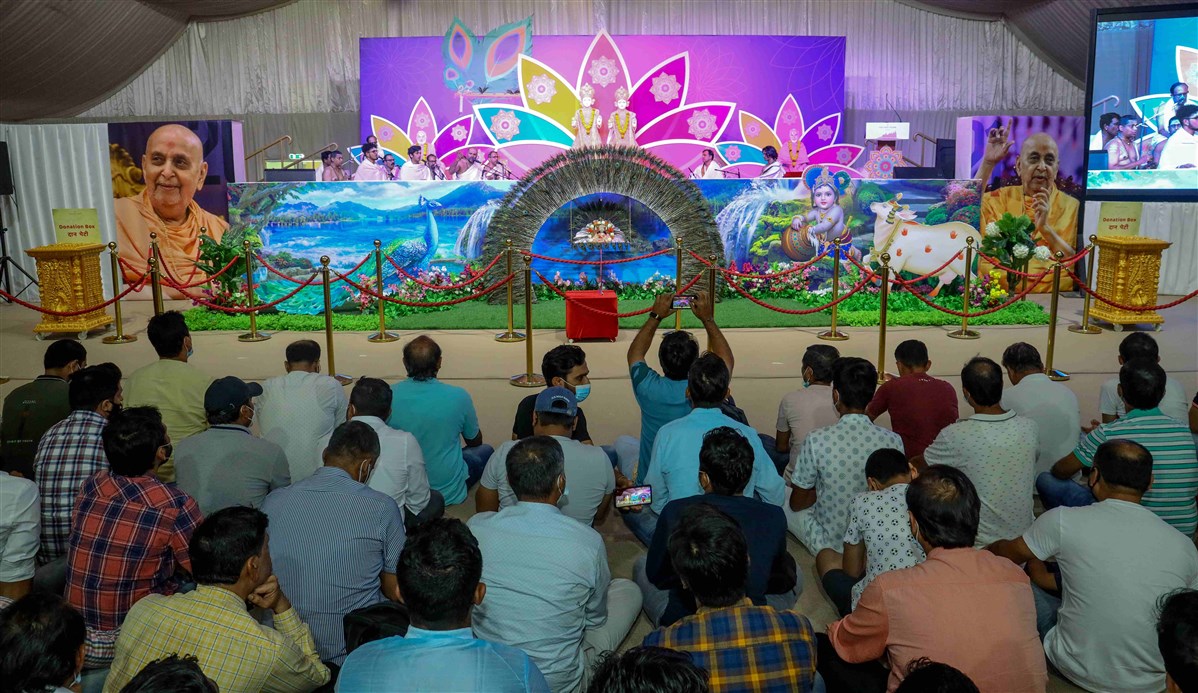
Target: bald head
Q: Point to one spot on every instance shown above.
(1038, 163)
(174, 170)
(422, 358)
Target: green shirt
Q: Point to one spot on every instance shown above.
(177, 390)
(29, 411)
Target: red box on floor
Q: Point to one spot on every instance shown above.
(582, 323)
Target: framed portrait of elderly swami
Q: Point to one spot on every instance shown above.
(171, 178)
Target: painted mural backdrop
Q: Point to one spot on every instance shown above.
(515, 92)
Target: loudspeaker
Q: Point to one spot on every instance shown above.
(5, 171)
(946, 158)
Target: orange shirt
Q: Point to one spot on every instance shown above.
(179, 243)
(1062, 217)
(964, 607)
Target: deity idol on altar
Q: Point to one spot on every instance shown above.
(621, 124)
(587, 121)
(796, 153)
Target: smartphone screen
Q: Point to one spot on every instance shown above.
(634, 496)
(683, 301)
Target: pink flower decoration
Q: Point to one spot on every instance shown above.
(665, 88)
(386, 133)
(788, 117)
(458, 132)
(844, 156)
(701, 124)
(421, 120)
(824, 132)
(541, 89)
(732, 153)
(505, 125)
(753, 130)
(603, 71)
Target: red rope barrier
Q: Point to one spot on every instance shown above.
(959, 256)
(600, 311)
(1134, 309)
(751, 275)
(279, 273)
(170, 280)
(961, 314)
(1065, 262)
(617, 261)
(261, 306)
(445, 287)
(803, 311)
(427, 304)
(135, 286)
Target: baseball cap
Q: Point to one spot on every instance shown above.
(228, 392)
(557, 400)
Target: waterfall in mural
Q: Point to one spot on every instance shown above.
(737, 222)
(470, 240)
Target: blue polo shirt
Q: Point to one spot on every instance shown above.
(675, 470)
(439, 415)
(661, 400)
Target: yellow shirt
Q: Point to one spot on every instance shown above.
(234, 650)
(1062, 217)
(178, 243)
(177, 390)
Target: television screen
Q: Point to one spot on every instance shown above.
(1143, 93)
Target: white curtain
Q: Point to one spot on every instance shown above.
(55, 167)
(1176, 222)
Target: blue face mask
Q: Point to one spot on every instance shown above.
(581, 392)
(190, 351)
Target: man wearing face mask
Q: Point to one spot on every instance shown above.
(562, 366)
(804, 410)
(171, 384)
(227, 464)
(335, 542)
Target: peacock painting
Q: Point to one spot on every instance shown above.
(486, 65)
(413, 254)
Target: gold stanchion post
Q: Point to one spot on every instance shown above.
(527, 378)
(156, 286)
(1086, 327)
(120, 337)
(328, 316)
(833, 334)
(253, 335)
(1054, 373)
(511, 335)
(885, 276)
(965, 332)
(382, 335)
(678, 279)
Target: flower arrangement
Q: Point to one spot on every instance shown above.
(988, 290)
(407, 290)
(1009, 240)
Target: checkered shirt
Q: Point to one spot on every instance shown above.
(128, 539)
(746, 647)
(69, 452)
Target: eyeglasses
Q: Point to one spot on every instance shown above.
(170, 449)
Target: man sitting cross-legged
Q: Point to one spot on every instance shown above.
(1116, 559)
(878, 538)
(743, 646)
(439, 576)
(725, 466)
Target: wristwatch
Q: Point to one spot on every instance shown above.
(655, 316)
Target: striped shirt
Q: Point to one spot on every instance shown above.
(67, 455)
(1174, 462)
(330, 540)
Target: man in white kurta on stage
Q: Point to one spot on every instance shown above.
(772, 168)
(370, 168)
(1181, 149)
(708, 168)
(414, 169)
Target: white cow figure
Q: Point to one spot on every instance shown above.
(919, 248)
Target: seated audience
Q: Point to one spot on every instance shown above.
(1141, 345)
(997, 451)
(549, 588)
(741, 645)
(301, 408)
(170, 384)
(171, 674)
(399, 471)
(962, 606)
(230, 559)
(441, 416)
(925, 676)
(129, 531)
(831, 465)
(675, 470)
(31, 409)
(41, 643)
(725, 466)
(1177, 637)
(919, 405)
(1175, 463)
(1116, 560)
(806, 409)
(662, 396)
(70, 452)
(1035, 396)
(335, 541)
(648, 670)
(592, 482)
(562, 366)
(439, 576)
(20, 526)
(227, 464)
(878, 538)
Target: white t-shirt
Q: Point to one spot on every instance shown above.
(1054, 408)
(1175, 405)
(399, 470)
(1117, 560)
(998, 454)
(879, 518)
(20, 528)
(296, 411)
(589, 477)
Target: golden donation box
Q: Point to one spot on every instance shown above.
(1129, 268)
(69, 277)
